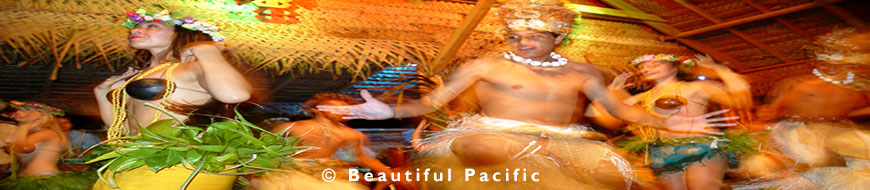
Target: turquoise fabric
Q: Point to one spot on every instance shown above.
(675, 158)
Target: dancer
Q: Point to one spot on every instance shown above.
(183, 67)
(527, 96)
(38, 141)
(814, 118)
(685, 159)
(184, 70)
(334, 145)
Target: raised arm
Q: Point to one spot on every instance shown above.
(595, 90)
(460, 80)
(735, 91)
(218, 77)
(24, 141)
(103, 89)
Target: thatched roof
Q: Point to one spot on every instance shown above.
(81, 44)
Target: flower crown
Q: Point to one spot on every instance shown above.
(190, 23)
(35, 105)
(682, 60)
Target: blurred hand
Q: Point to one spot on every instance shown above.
(706, 61)
(372, 109)
(698, 124)
(619, 82)
(113, 81)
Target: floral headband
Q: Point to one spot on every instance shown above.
(35, 105)
(683, 60)
(190, 23)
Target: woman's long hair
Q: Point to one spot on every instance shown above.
(180, 40)
(48, 121)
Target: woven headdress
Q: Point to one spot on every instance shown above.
(541, 15)
(842, 46)
(36, 106)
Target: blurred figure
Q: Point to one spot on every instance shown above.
(6, 130)
(685, 159)
(38, 141)
(334, 145)
(813, 118)
(78, 141)
(528, 97)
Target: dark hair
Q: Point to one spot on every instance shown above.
(180, 39)
(310, 105)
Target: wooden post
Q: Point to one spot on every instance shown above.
(458, 38)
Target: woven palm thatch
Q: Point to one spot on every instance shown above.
(326, 37)
(313, 35)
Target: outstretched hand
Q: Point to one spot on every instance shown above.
(372, 109)
(699, 124)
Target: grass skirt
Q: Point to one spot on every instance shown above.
(814, 144)
(563, 159)
(307, 174)
(62, 181)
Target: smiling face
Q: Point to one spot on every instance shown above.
(532, 44)
(657, 70)
(151, 36)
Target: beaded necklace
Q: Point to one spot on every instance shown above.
(119, 101)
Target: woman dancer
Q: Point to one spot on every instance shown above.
(184, 70)
(684, 160)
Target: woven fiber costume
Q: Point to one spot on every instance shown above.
(560, 155)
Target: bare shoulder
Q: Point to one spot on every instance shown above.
(295, 128)
(480, 66)
(483, 63)
(203, 46)
(585, 69)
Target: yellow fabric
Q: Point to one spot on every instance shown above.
(168, 178)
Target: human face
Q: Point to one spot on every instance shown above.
(152, 36)
(532, 44)
(330, 115)
(25, 115)
(657, 70)
(64, 123)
